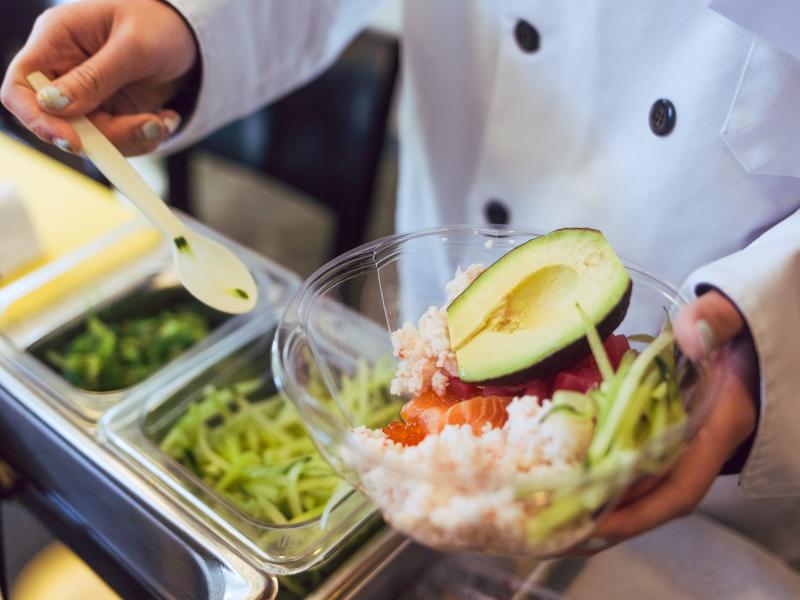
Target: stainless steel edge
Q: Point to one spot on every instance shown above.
(124, 513)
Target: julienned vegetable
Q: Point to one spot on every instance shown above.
(117, 355)
(631, 408)
(254, 451)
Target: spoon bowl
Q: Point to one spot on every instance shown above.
(214, 274)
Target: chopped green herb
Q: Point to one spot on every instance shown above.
(182, 244)
(114, 356)
(241, 294)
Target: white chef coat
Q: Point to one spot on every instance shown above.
(560, 136)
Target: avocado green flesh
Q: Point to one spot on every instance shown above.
(519, 316)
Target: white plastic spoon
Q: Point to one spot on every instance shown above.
(208, 270)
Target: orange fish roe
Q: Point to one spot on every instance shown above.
(408, 434)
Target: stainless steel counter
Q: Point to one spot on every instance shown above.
(114, 507)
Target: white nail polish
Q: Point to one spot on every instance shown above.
(706, 335)
(172, 123)
(51, 98)
(63, 144)
(151, 130)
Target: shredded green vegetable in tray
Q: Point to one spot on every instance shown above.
(114, 356)
(254, 451)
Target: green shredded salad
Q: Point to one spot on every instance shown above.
(252, 449)
(633, 407)
(116, 355)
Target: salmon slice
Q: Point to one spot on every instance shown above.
(428, 410)
(477, 412)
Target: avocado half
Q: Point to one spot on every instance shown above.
(518, 320)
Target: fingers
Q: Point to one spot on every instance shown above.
(88, 85)
(17, 96)
(707, 323)
(137, 134)
(133, 135)
(728, 425)
(21, 102)
(675, 497)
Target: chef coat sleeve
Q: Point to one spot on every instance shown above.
(254, 51)
(763, 280)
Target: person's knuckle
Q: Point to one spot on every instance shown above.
(88, 80)
(49, 18)
(138, 44)
(45, 18)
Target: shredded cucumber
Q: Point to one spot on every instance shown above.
(596, 345)
(634, 405)
(254, 451)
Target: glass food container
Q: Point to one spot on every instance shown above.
(126, 274)
(452, 506)
(154, 431)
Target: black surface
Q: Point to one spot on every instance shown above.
(3, 561)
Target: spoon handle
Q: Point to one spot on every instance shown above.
(119, 171)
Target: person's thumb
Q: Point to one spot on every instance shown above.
(88, 85)
(707, 323)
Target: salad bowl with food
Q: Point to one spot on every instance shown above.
(540, 379)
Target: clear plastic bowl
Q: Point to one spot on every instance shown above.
(344, 314)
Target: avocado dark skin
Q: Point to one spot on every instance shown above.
(568, 355)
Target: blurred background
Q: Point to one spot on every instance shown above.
(277, 181)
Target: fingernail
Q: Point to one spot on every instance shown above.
(63, 144)
(51, 98)
(706, 335)
(151, 130)
(172, 123)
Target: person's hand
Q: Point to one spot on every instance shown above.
(709, 322)
(118, 61)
